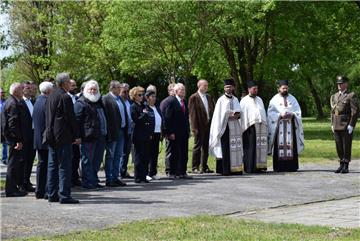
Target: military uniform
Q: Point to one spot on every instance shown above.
(344, 114)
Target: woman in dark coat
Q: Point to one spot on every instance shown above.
(142, 134)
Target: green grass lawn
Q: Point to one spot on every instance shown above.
(209, 228)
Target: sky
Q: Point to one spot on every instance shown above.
(4, 27)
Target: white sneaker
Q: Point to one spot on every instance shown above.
(148, 178)
(155, 177)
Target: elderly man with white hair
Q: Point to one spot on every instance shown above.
(90, 116)
(177, 130)
(42, 149)
(14, 136)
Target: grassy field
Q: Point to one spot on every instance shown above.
(210, 228)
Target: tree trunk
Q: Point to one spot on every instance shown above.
(240, 42)
(231, 60)
(315, 94)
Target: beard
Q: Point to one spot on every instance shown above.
(92, 97)
(284, 93)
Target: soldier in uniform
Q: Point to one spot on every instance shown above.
(344, 114)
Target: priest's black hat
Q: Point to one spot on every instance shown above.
(282, 82)
(229, 82)
(341, 79)
(251, 83)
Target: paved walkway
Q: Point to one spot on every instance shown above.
(310, 196)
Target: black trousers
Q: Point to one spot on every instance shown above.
(75, 163)
(201, 149)
(179, 156)
(154, 153)
(142, 157)
(41, 173)
(13, 169)
(223, 165)
(343, 142)
(126, 153)
(26, 166)
(249, 148)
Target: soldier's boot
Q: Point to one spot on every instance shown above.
(340, 167)
(345, 168)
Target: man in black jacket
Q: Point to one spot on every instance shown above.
(61, 131)
(177, 129)
(11, 128)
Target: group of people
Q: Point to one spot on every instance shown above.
(67, 128)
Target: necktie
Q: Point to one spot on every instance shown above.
(183, 106)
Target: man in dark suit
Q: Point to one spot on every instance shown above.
(61, 132)
(201, 108)
(177, 130)
(29, 153)
(11, 127)
(344, 114)
(116, 134)
(42, 149)
(163, 105)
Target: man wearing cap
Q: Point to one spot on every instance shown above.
(344, 114)
(286, 134)
(225, 142)
(254, 124)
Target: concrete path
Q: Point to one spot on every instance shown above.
(248, 196)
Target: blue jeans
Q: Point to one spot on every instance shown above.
(114, 153)
(87, 153)
(4, 153)
(59, 172)
(99, 155)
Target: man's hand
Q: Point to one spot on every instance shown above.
(332, 129)
(350, 129)
(77, 141)
(18, 146)
(171, 137)
(234, 116)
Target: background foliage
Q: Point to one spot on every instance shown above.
(158, 42)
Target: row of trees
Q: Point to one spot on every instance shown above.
(158, 42)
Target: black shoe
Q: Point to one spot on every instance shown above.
(46, 196)
(76, 183)
(99, 186)
(207, 170)
(141, 181)
(345, 168)
(29, 187)
(16, 194)
(39, 196)
(22, 189)
(185, 176)
(340, 167)
(111, 184)
(53, 199)
(120, 183)
(69, 201)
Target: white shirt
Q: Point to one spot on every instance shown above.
(73, 97)
(205, 102)
(157, 120)
(29, 106)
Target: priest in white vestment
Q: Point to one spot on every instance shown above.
(255, 130)
(286, 135)
(225, 142)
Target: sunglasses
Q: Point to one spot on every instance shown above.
(140, 95)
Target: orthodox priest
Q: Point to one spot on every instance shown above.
(225, 141)
(255, 130)
(286, 134)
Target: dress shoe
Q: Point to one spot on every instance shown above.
(22, 189)
(120, 183)
(29, 187)
(16, 194)
(185, 176)
(76, 183)
(99, 186)
(53, 199)
(111, 184)
(46, 196)
(141, 181)
(39, 196)
(207, 170)
(345, 168)
(340, 167)
(69, 201)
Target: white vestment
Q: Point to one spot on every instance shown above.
(220, 121)
(276, 107)
(253, 113)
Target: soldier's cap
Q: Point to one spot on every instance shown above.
(229, 82)
(251, 83)
(341, 79)
(282, 82)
